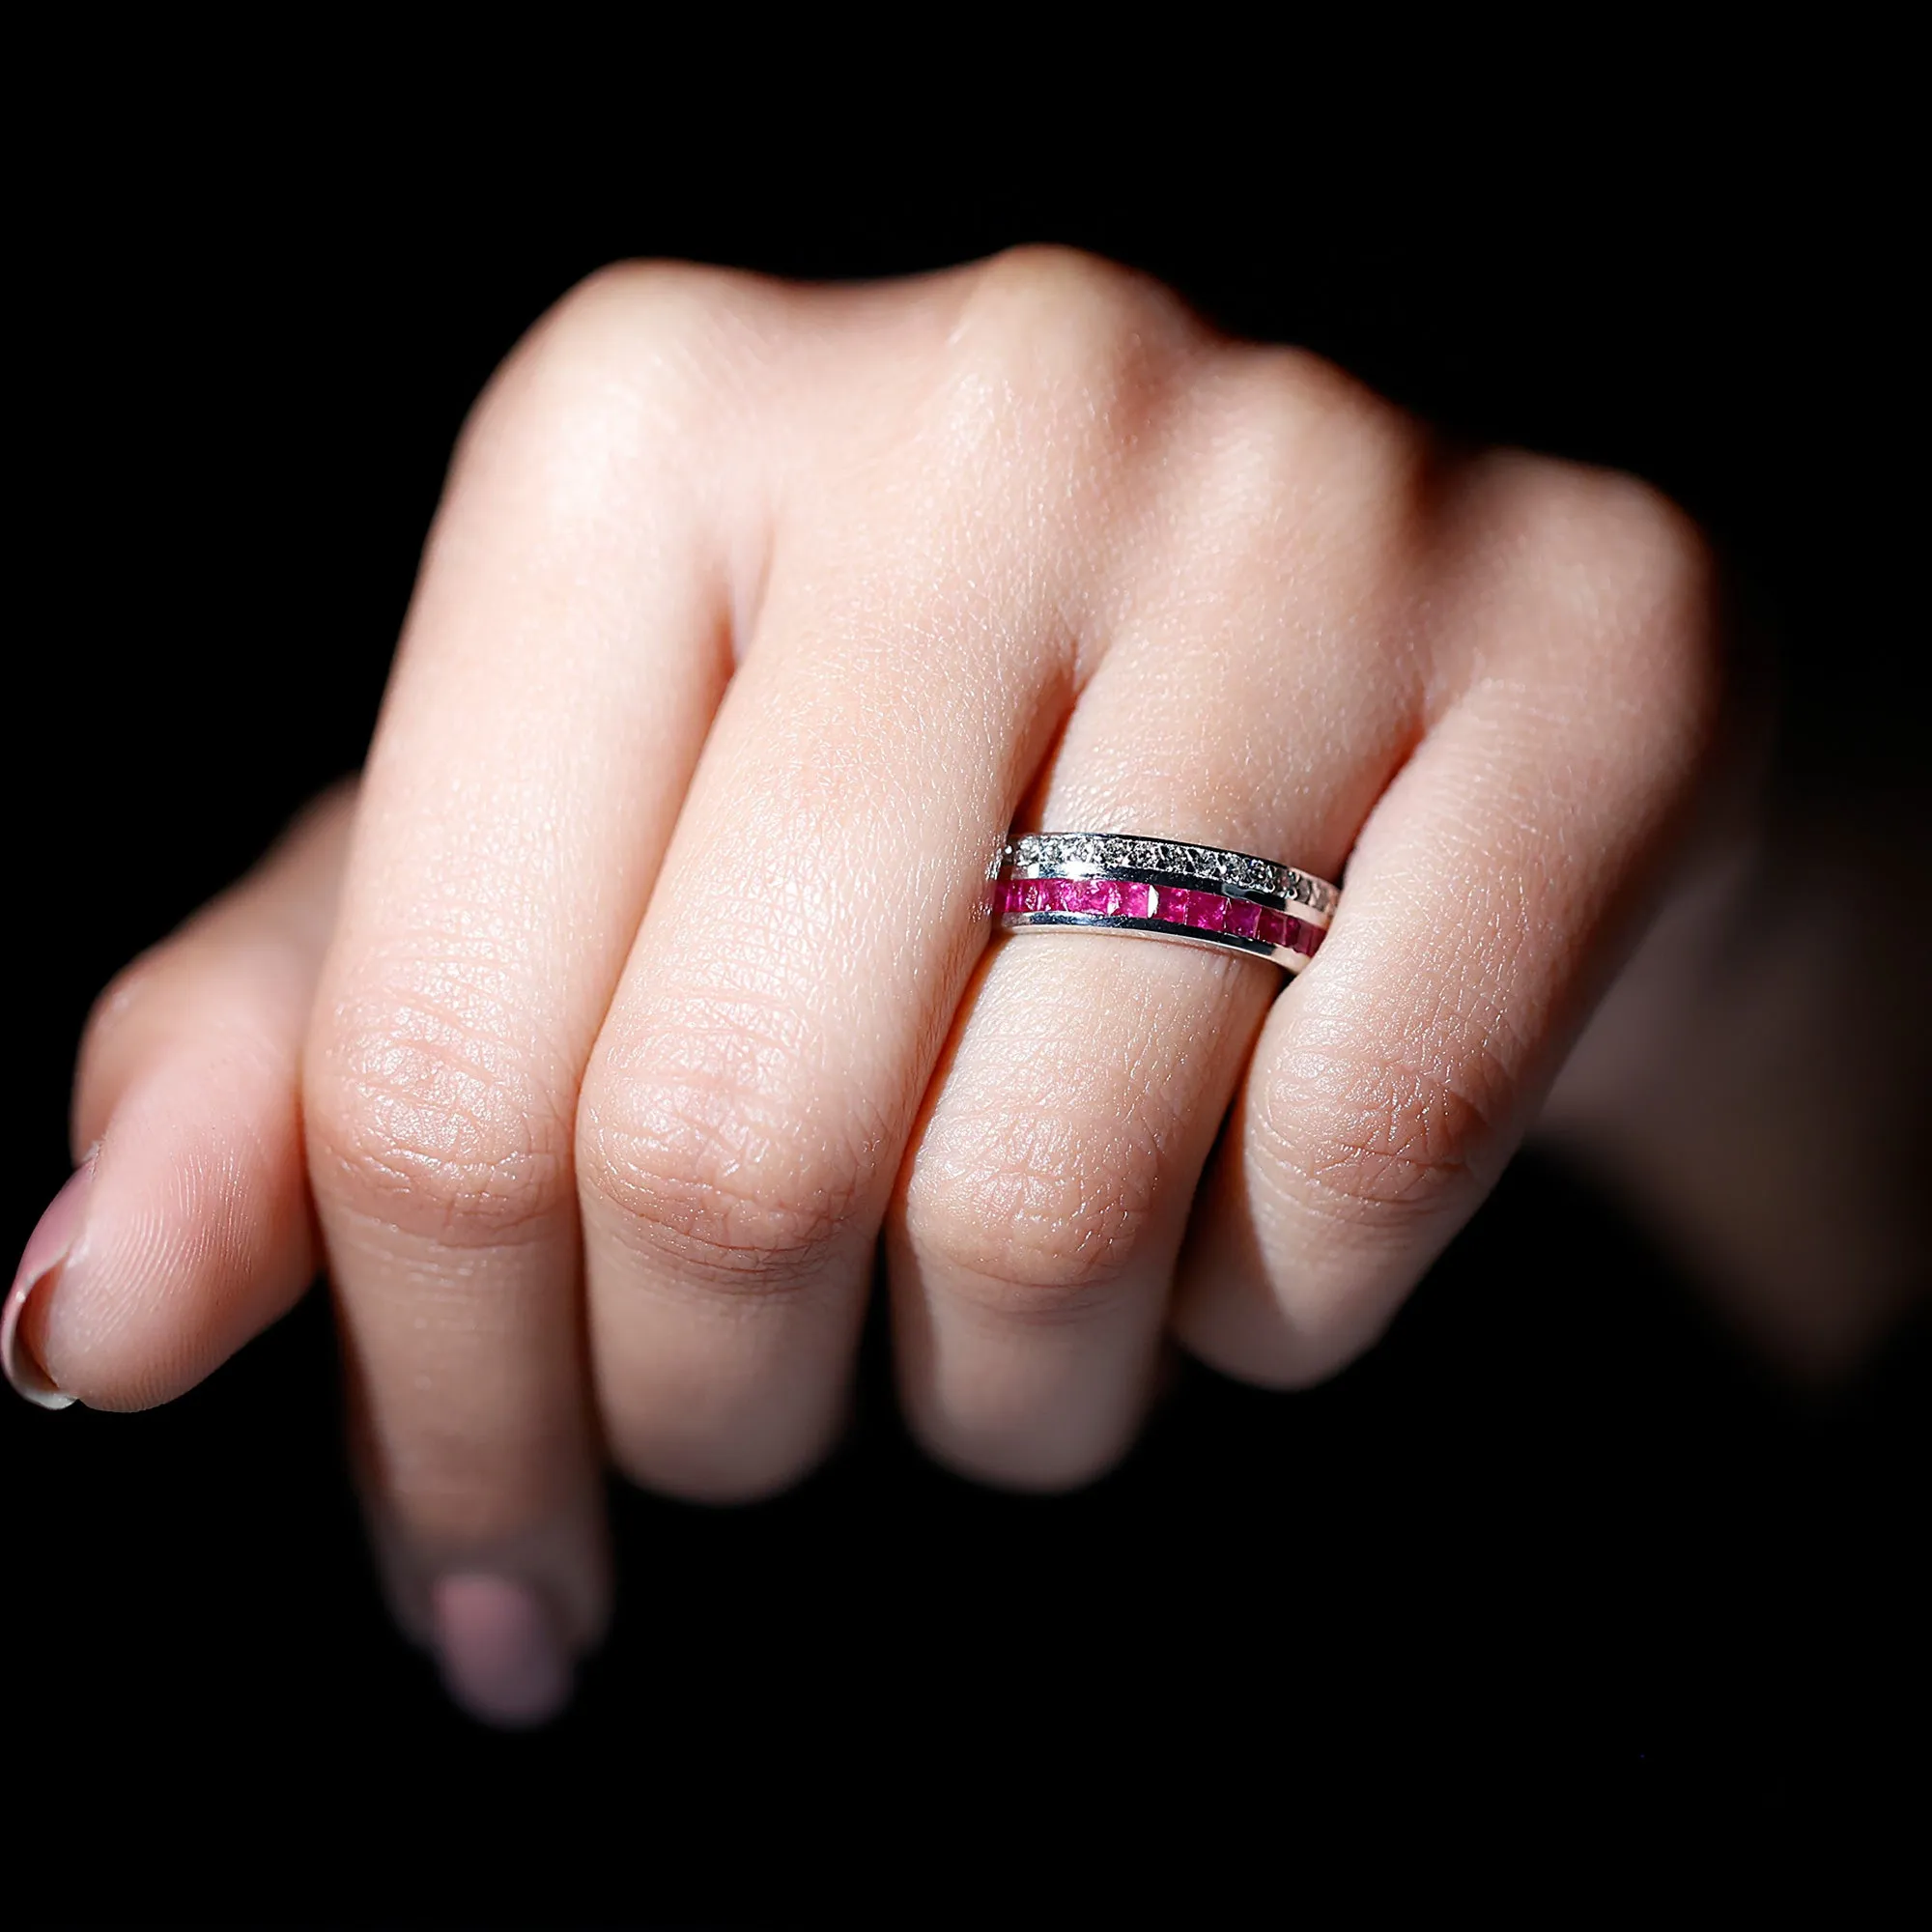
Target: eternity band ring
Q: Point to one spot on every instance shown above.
(1160, 888)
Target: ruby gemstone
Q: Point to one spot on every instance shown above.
(1203, 911)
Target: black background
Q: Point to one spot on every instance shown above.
(1558, 1551)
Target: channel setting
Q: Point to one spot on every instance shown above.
(1162, 888)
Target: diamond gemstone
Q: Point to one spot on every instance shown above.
(1052, 854)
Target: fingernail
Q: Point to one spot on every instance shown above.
(503, 1659)
(47, 1247)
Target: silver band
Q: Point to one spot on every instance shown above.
(1162, 888)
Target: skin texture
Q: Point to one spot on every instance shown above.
(644, 991)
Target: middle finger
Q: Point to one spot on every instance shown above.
(919, 637)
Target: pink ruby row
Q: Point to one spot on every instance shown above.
(1169, 905)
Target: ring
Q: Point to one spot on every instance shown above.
(1195, 894)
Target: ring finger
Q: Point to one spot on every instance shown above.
(1040, 1213)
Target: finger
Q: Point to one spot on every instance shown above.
(1485, 904)
(1047, 1193)
(747, 1107)
(185, 1228)
(567, 645)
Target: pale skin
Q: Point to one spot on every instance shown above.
(641, 995)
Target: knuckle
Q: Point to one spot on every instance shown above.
(1629, 581)
(1375, 1145)
(607, 314)
(709, 1153)
(1615, 550)
(1642, 536)
(1663, 577)
(1629, 537)
(632, 360)
(635, 318)
(1037, 1214)
(424, 1110)
(1294, 442)
(1292, 398)
(1055, 328)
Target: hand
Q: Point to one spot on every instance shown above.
(645, 986)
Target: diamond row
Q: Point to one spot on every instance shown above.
(1236, 871)
(1167, 905)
